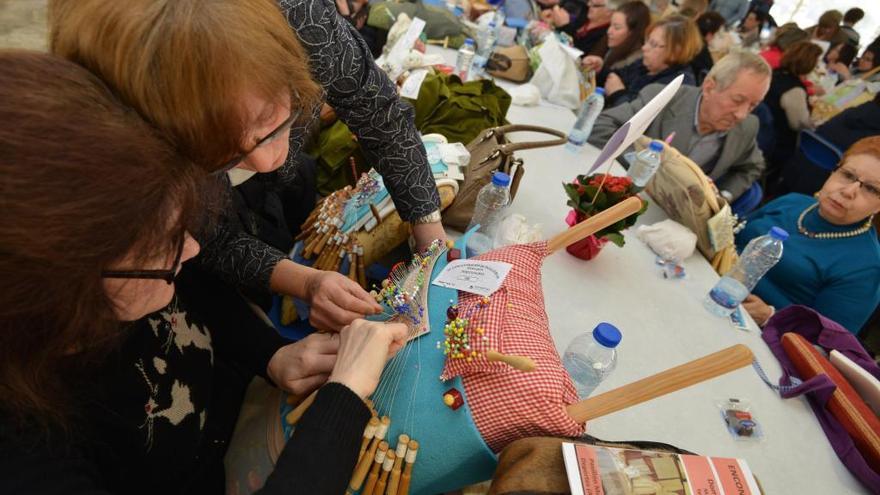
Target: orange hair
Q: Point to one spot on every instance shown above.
(866, 146)
(185, 65)
(682, 38)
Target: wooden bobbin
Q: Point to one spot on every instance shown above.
(294, 415)
(522, 363)
(386, 471)
(362, 273)
(411, 451)
(400, 452)
(360, 472)
(378, 460)
(369, 433)
(352, 265)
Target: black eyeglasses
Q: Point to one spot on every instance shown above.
(166, 275)
(272, 136)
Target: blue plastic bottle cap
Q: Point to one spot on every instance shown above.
(778, 233)
(516, 22)
(468, 41)
(500, 179)
(656, 146)
(607, 334)
(600, 91)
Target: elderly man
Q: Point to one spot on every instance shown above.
(713, 124)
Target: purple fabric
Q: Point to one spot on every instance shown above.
(828, 335)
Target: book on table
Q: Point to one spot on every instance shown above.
(597, 470)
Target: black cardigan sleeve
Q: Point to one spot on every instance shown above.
(322, 452)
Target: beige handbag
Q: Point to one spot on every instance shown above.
(682, 189)
(511, 63)
(492, 151)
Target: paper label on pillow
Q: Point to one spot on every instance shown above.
(413, 84)
(474, 276)
(720, 228)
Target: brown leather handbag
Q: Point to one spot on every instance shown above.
(491, 151)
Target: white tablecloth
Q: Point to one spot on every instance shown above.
(664, 324)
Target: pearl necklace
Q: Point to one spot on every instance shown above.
(830, 235)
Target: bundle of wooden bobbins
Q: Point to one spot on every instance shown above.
(324, 241)
(382, 470)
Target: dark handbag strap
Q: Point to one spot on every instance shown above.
(508, 148)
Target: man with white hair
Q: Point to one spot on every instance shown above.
(713, 124)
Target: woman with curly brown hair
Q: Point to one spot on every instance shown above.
(235, 85)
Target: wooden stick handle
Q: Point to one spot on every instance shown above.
(595, 223)
(677, 378)
(294, 415)
(522, 363)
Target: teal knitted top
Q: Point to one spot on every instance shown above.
(839, 278)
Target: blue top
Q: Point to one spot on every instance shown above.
(500, 179)
(836, 277)
(607, 335)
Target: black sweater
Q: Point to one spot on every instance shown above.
(157, 415)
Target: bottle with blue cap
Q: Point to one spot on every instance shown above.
(591, 357)
(758, 257)
(491, 200)
(465, 60)
(645, 165)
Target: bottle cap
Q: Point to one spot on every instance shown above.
(468, 41)
(607, 334)
(600, 91)
(656, 146)
(778, 233)
(500, 179)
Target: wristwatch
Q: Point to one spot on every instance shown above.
(433, 217)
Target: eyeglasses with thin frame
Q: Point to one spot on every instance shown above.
(653, 44)
(272, 136)
(850, 177)
(166, 275)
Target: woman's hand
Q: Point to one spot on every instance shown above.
(592, 62)
(303, 366)
(425, 233)
(758, 309)
(336, 300)
(364, 349)
(559, 17)
(841, 70)
(613, 84)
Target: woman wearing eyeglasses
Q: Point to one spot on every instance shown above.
(831, 260)
(671, 44)
(590, 37)
(235, 85)
(99, 393)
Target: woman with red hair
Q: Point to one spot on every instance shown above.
(831, 261)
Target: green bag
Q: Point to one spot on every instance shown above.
(459, 111)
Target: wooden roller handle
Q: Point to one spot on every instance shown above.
(677, 378)
(521, 363)
(595, 223)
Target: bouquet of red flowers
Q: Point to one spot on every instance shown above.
(590, 194)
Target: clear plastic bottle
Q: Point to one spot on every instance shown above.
(491, 200)
(485, 43)
(587, 115)
(757, 259)
(591, 357)
(465, 59)
(646, 164)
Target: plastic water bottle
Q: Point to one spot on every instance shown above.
(485, 43)
(587, 115)
(646, 164)
(591, 357)
(465, 59)
(491, 200)
(757, 258)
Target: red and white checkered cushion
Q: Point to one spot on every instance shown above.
(508, 404)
